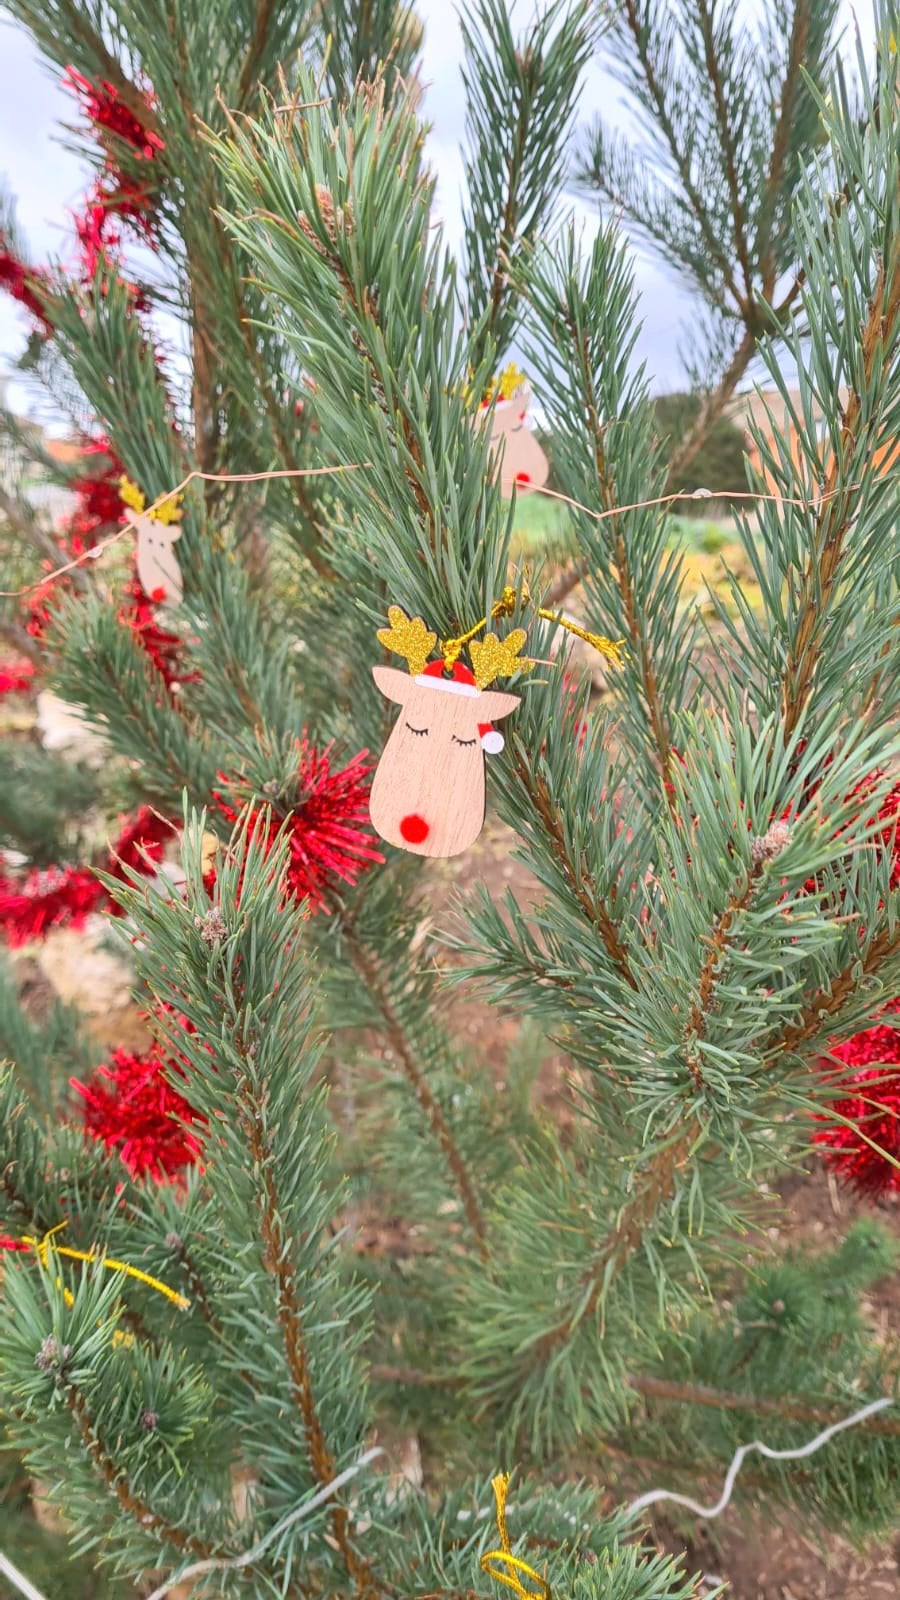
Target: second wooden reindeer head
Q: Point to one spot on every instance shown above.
(156, 530)
(428, 794)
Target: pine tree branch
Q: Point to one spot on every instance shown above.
(590, 902)
(729, 155)
(656, 1184)
(21, 640)
(711, 408)
(275, 415)
(276, 1250)
(654, 1388)
(148, 1521)
(657, 94)
(829, 1000)
(367, 967)
(637, 632)
(781, 143)
(262, 22)
(837, 507)
(700, 1394)
(24, 527)
(111, 69)
(695, 1028)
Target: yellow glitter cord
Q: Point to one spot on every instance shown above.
(510, 1565)
(42, 1248)
(504, 607)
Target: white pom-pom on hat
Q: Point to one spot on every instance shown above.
(492, 740)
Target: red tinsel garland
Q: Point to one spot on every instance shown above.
(22, 284)
(65, 896)
(872, 1108)
(16, 675)
(329, 836)
(104, 107)
(130, 1105)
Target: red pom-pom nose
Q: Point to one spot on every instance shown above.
(414, 828)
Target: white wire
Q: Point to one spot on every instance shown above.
(654, 1495)
(26, 1588)
(299, 1514)
(18, 1579)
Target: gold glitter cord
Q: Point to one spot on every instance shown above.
(43, 1247)
(502, 1565)
(504, 607)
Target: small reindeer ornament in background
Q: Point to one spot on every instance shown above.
(428, 794)
(523, 464)
(157, 530)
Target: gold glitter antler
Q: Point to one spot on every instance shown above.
(498, 658)
(167, 511)
(408, 637)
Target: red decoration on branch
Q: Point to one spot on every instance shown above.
(131, 1106)
(327, 822)
(23, 283)
(46, 898)
(872, 1109)
(65, 896)
(163, 648)
(104, 107)
(16, 675)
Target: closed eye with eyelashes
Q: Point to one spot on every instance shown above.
(460, 741)
(419, 732)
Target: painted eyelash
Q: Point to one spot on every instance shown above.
(466, 742)
(419, 732)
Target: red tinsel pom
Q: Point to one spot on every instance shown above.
(329, 837)
(871, 1107)
(52, 898)
(131, 1106)
(104, 107)
(20, 282)
(164, 649)
(59, 897)
(16, 676)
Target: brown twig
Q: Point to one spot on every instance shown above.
(150, 1521)
(724, 123)
(367, 967)
(681, 161)
(781, 141)
(590, 902)
(261, 24)
(695, 1027)
(836, 511)
(636, 632)
(277, 1259)
(827, 1001)
(106, 65)
(21, 640)
(700, 1394)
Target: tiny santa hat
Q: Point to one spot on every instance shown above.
(462, 681)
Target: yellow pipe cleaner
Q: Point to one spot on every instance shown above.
(506, 605)
(513, 1565)
(42, 1248)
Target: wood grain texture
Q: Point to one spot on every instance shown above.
(157, 563)
(523, 463)
(428, 792)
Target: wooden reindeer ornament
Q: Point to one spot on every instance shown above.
(428, 794)
(156, 530)
(523, 464)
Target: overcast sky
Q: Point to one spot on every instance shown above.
(48, 181)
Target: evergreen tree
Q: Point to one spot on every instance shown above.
(716, 855)
(728, 113)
